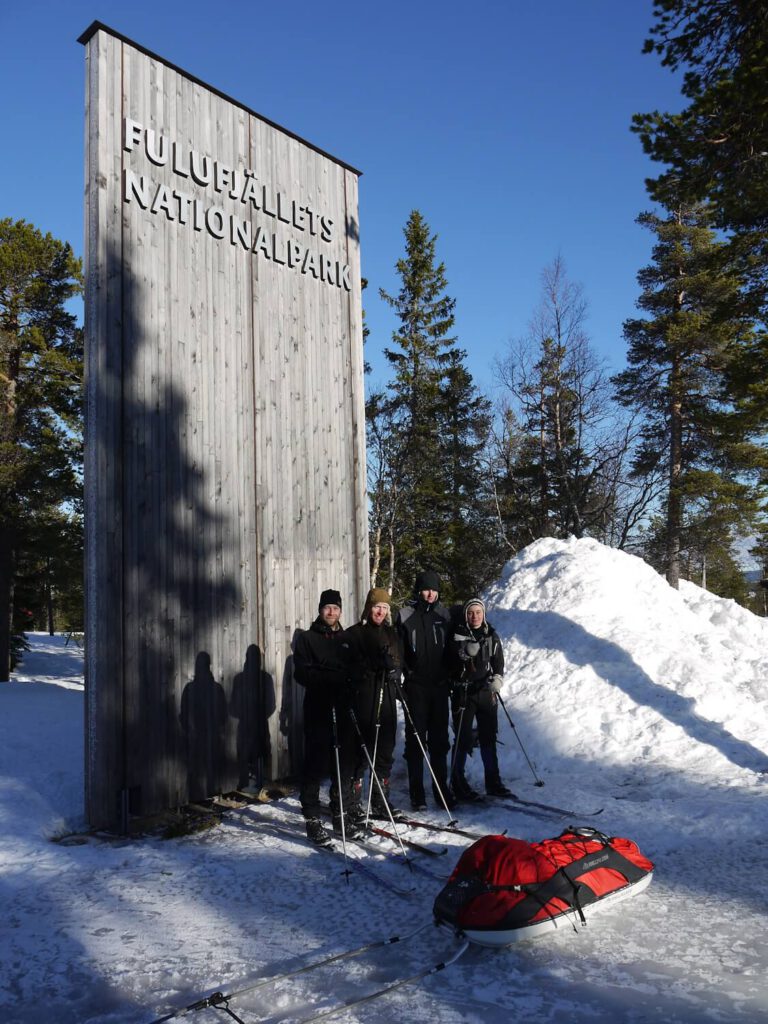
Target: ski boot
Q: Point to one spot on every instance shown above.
(462, 790)
(317, 834)
(497, 788)
(351, 829)
(418, 799)
(381, 809)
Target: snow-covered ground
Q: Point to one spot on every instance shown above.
(627, 696)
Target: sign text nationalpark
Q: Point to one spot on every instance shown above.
(240, 185)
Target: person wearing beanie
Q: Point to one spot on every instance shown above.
(476, 659)
(424, 629)
(320, 665)
(375, 659)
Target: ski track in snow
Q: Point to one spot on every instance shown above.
(627, 696)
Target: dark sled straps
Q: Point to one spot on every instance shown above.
(564, 884)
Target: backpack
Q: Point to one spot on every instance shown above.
(504, 889)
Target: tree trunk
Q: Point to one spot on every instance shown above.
(376, 556)
(675, 502)
(49, 596)
(391, 563)
(543, 489)
(6, 600)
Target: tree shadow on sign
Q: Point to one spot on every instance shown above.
(612, 663)
(170, 540)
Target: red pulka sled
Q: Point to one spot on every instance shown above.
(503, 890)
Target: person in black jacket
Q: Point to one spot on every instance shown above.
(424, 630)
(320, 665)
(477, 666)
(375, 663)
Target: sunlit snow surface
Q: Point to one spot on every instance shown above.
(626, 695)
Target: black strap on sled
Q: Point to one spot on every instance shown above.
(564, 884)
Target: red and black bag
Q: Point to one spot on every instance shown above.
(502, 885)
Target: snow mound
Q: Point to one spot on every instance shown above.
(606, 662)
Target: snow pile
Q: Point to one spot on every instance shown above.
(628, 696)
(607, 664)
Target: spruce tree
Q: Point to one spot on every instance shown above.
(473, 550)
(41, 397)
(431, 424)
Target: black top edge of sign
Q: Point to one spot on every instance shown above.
(97, 26)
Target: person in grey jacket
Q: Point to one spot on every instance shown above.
(477, 666)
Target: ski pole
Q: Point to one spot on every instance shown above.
(375, 778)
(375, 747)
(347, 871)
(457, 731)
(539, 782)
(425, 973)
(217, 998)
(407, 711)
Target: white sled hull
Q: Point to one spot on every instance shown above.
(567, 919)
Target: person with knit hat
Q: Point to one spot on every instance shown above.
(320, 665)
(424, 629)
(477, 665)
(375, 660)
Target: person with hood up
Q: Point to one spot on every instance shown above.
(424, 628)
(477, 666)
(320, 665)
(375, 665)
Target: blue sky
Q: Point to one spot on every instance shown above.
(505, 123)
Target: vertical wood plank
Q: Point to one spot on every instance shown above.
(226, 459)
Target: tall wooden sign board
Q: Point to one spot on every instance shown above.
(225, 458)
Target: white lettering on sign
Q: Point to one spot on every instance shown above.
(240, 185)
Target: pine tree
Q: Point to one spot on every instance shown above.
(716, 146)
(48, 577)
(678, 356)
(715, 150)
(41, 398)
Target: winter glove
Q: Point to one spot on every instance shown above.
(495, 683)
(343, 688)
(387, 661)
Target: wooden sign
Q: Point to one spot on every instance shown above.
(225, 444)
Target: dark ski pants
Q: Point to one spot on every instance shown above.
(429, 710)
(320, 755)
(370, 710)
(479, 705)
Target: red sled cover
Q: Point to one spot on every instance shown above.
(502, 884)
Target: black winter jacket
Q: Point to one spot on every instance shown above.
(373, 651)
(424, 630)
(320, 659)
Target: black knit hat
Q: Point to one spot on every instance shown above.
(427, 580)
(329, 597)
